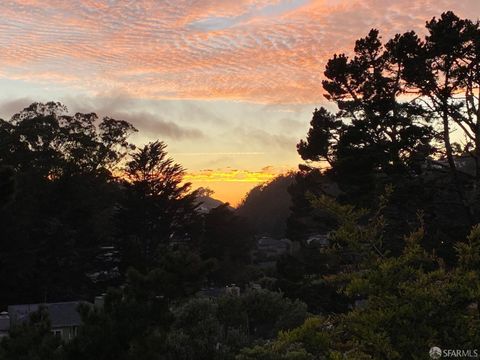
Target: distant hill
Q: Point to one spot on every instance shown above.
(267, 206)
(207, 202)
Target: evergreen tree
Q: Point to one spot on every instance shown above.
(226, 240)
(32, 340)
(157, 208)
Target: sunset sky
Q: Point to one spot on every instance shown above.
(229, 85)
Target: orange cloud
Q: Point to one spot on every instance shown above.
(255, 50)
(232, 175)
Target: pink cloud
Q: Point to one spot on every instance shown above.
(212, 49)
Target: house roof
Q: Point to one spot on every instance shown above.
(61, 314)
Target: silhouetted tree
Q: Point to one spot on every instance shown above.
(7, 185)
(375, 131)
(132, 324)
(443, 69)
(157, 208)
(53, 232)
(44, 138)
(135, 319)
(32, 340)
(228, 239)
(397, 104)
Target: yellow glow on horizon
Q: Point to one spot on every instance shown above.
(230, 176)
(231, 185)
(231, 192)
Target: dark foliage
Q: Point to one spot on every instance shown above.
(227, 240)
